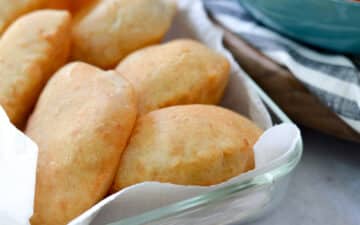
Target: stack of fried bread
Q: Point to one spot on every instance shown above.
(110, 106)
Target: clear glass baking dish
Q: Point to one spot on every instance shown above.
(252, 197)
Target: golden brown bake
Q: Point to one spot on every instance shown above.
(12, 9)
(76, 5)
(59, 4)
(71, 5)
(107, 31)
(31, 50)
(178, 72)
(81, 124)
(188, 145)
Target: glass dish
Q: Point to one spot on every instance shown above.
(231, 204)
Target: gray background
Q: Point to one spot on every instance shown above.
(325, 189)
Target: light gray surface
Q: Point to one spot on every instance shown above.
(325, 189)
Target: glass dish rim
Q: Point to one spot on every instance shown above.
(263, 176)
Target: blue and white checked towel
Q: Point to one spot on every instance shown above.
(334, 79)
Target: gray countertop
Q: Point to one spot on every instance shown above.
(325, 188)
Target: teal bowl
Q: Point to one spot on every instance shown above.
(328, 24)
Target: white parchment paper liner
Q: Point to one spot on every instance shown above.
(18, 154)
(18, 157)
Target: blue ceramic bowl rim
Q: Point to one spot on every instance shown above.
(338, 34)
(347, 2)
